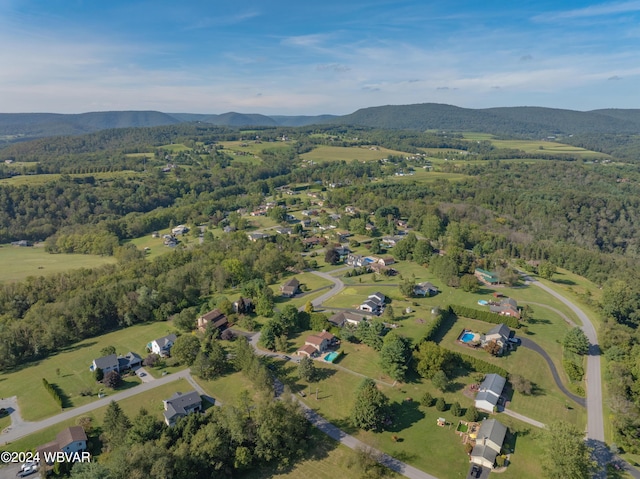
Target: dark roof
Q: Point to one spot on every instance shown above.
(106, 362)
(213, 315)
(70, 435)
(486, 452)
(378, 298)
(501, 329)
(292, 283)
(164, 341)
(494, 383)
(340, 318)
(177, 404)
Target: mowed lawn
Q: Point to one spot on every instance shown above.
(339, 153)
(150, 400)
(35, 180)
(19, 263)
(69, 371)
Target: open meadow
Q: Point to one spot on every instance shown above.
(68, 371)
(18, 263)
(339, 153)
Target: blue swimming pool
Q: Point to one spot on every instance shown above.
(467, 337)
(483, 302)
(331, 357)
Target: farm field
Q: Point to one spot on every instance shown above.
(339, 153)
(69, 371)
(422, 176)
(18, 263)
(253, 147)
(546, 148)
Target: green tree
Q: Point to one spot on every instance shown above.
(407, 286)
(427, 400)
(422, 252)
(264, 305)
(307, 369)
(90, 470)
(456, 410)
(621, 302)
(566, 454)
(112, 379)
(431, 358)
(269, 332)
(371, 408)
(144, 428)
(331, 256)
(115, 424)
(576, 341)
(108, 351)
(394, 356)
(441, 405)
(98, 374)
(185, 349)
(376, 246)
(469, 283)
(546, 270)
(440, 381)
(472, 414)
(319, 322)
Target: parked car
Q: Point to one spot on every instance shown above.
(515, 341)
(27, 471)
(476, 471)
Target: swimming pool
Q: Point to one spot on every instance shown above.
(467, 337)
(482, 302)
(331, 357)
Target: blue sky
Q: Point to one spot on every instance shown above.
(286, 57)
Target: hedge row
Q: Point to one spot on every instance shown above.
(486, 316)
(470, 362)
(52, 391)
(433, 326)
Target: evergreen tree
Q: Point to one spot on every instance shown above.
(394, 356)
(371, 408)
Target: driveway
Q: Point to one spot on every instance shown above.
(144, 375)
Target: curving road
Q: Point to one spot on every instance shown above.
(595, 420)
(529, 344)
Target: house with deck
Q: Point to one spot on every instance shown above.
(500, 333)
(489, 392)
(425, 289)
(215, 319)
(488, 443)
(507, 307)
(162, 346)
(180, 405)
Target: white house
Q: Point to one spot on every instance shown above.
(488, 443)
(489, 392)
(162, 346)
(106, 363)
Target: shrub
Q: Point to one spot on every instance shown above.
(54, 393)
(427, 400)
(500, 460)
(486, 316)
(440, 404)
(574, 371)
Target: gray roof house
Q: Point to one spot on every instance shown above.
(488, 443)
(489, 392)
(162, 346)
(500, 334)
(179, 405)
(129, 361)
(70, 440)
(290, 288)
(346, 317)
(425, 289)
(106, 363)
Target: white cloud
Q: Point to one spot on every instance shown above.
(603, 9)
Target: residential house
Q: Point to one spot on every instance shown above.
(215, 318)
(386, 261)
(307, 350)
(488, 443)
(355, 260)
(257, 236)
(282, 230)
(500, 333)
(180, 405)
(290, 288)
(350, 210)
(21, 243)
(321, 341)
(507, 307)
(313, 241)
(106, 364)
(374, 304)
(70, 440)
(391, 241)
(243, 305)
(342, 250)
(162, 346)
(425, 289)
(129, 361)
(346, 318)
(487, 277)
(489, 392)
(179, 230)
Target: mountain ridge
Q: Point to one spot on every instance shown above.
(522, 121)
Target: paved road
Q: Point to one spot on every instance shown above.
(26, 428)
(529, 344)
(338, 286)
(595, 421)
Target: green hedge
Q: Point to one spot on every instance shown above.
(486, 316)
(52, 391)
(574, 371)
(433, 326)
(481, 366)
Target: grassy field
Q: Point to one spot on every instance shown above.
(546, 148)
(69, 371)
(19, 263)
(339, 153)
(156, 245)
(175, 148)
(423, 176)
(151, 401)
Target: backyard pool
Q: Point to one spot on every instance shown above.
(482, 302)
(467, 337)
(331, 357)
